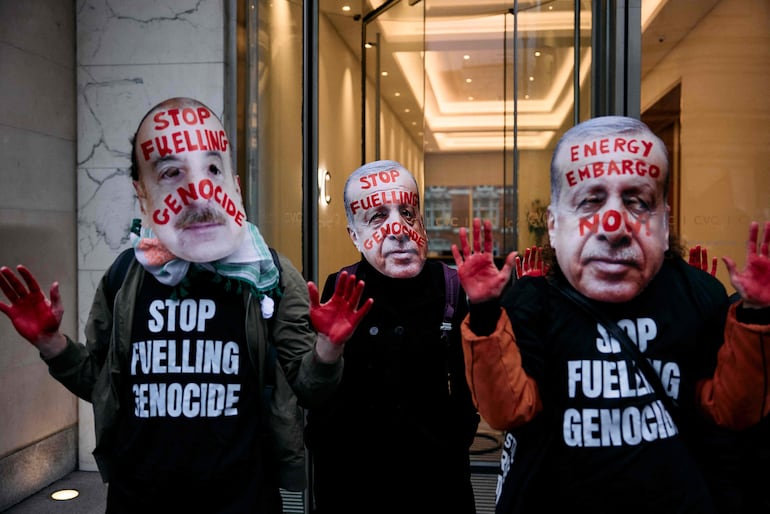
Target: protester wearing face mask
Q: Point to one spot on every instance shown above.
(596, 430)
(174, 366)
(396, 434)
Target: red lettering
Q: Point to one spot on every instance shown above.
(623, 167)
(174, 113)
(176, 137)
(230, 209)
(589, 224)
(385, 177)
(160, 122)
(635, 224)
(189, 116)
(612, 168)
(163, 148)
(605, 146)
(146, 149)
(206, 189)
(611, 221)
(190, 145)
(214, 141)
(627, 167)
(187, 195)
(160, 217)
(201, 142)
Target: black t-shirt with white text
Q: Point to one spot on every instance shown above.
(188, 415)
(618, 449)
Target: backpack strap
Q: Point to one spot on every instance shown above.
(451, 295)
(271, 354)
(276, 260)
(116, 274)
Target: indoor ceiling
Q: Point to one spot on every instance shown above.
(467, 90)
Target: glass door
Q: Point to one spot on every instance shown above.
(484, 89)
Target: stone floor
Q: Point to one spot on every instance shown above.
(485, 455)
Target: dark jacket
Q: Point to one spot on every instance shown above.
(397, 432)
(92, 370)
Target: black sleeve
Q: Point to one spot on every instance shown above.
(753, 316)
(484, 317)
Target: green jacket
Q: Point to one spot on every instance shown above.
(92, 370)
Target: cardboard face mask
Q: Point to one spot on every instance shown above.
(609, 226)
(387, 225)
(188, 194)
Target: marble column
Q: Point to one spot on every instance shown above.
(130, 56)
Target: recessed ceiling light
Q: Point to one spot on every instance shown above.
(384, 73)
(346, 8)
(531, 78)
(65, 494)
(537, 53)
(468, 81)
(407, 110)
(397, 93)
(466, 57)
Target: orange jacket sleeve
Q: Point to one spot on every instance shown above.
(738, 395)
(502, 392)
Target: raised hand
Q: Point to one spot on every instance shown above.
(34, 317)
(699, 258)
(753, 283)
(478, 273)
(532, 265)
(338, 318)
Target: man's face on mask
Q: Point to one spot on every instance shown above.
(187, 191)
(609, 226)
(387, 225)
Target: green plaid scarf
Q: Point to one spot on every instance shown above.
(251, 264)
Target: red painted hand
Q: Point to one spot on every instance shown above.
(338, 318)
(699, 258)
(34, 317)
(532, 265)
(753, 283)
(478, 273)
